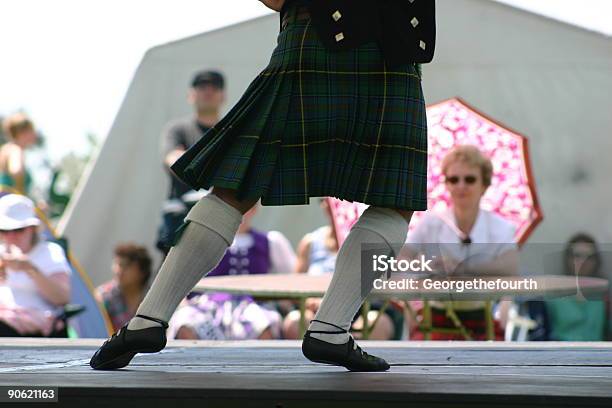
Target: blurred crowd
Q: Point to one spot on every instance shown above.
(35, 272)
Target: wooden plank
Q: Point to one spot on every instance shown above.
(549, 345)
(288, 352)
(330, 379)
(276, 374)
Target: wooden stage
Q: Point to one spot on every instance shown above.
(275, 374)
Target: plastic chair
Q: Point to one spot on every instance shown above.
(517, 326)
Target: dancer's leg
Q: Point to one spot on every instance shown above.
(214, 221)
(380, 226)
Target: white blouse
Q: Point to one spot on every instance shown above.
(438, 234)
(441, 228)
(48, 258)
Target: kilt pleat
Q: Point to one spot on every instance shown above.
(318, 123)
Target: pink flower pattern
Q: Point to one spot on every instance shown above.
(512, 194)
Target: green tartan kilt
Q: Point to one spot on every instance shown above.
(317, 123)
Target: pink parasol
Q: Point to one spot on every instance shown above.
(512, 193)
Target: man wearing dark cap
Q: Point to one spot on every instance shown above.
(207, 95)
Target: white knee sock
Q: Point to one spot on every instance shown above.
(212, 227)
(380, 226)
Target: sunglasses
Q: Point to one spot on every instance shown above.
(466, 179)
(582, 255)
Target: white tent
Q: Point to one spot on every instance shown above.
(549, 80)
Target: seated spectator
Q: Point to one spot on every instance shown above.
(123, 294)
(317, 256)
(34, 274)
(21, 134)
(576, 318)
(458, 234)
(317, 250)
(221, 316)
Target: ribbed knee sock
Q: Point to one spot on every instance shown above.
(212, 226)
(380, 226)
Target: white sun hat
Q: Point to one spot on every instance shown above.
(17, 211)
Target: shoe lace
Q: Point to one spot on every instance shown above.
(115, 335)
(118, 332)
(340, 331)
(361, 352)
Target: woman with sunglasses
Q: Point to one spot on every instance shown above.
(34, 274)
(466, 239)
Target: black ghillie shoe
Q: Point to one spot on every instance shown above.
(118, 351)
(348, 355)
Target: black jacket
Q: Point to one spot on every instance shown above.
(405, 29)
